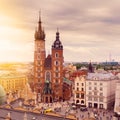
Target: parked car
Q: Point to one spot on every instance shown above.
(83, 109)
(47, 110)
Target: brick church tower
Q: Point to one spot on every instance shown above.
(48, 71)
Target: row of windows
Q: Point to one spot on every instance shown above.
(95, 88)
(80, 95)
(39, 62)
(81, 84)
(90, 83)
(39, 69)
(95, 93)
(39, 75)
(95, 99)
(82, 89)
(39, 56)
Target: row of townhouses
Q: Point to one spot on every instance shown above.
(96, 90)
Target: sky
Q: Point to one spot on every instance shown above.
(89, 29)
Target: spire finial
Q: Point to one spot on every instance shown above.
(39, 16)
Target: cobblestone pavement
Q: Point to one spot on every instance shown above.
(98, 114)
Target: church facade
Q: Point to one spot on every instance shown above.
(48, 70)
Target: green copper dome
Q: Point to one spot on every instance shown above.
(2, 95)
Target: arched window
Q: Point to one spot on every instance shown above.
(56, 62)
(56, 55)
(77, 101)
(82, 101)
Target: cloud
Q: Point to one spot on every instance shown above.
(89, 29)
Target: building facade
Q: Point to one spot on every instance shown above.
(100, 90)
(117, 99)
(48, 71)
(13, 83)
(79, 90)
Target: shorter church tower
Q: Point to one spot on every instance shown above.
(57, 68)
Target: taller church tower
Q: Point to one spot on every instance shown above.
(39, 58)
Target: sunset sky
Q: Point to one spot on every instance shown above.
(89, 29)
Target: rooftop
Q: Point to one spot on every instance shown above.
(101, 76)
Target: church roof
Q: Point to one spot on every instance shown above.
(100, 76)
(48, 62)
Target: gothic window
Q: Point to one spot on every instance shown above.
(48, 75)
(56, 74)
(56, 81)
(56, 62)
(56, 55)
(57, 69)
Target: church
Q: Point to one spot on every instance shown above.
(48, 69)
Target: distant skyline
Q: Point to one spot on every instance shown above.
(89, 29)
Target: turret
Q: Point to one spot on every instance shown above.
(57, 43)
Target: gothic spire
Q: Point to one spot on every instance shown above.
(39, 22)
(39, 33)
(90, 67)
